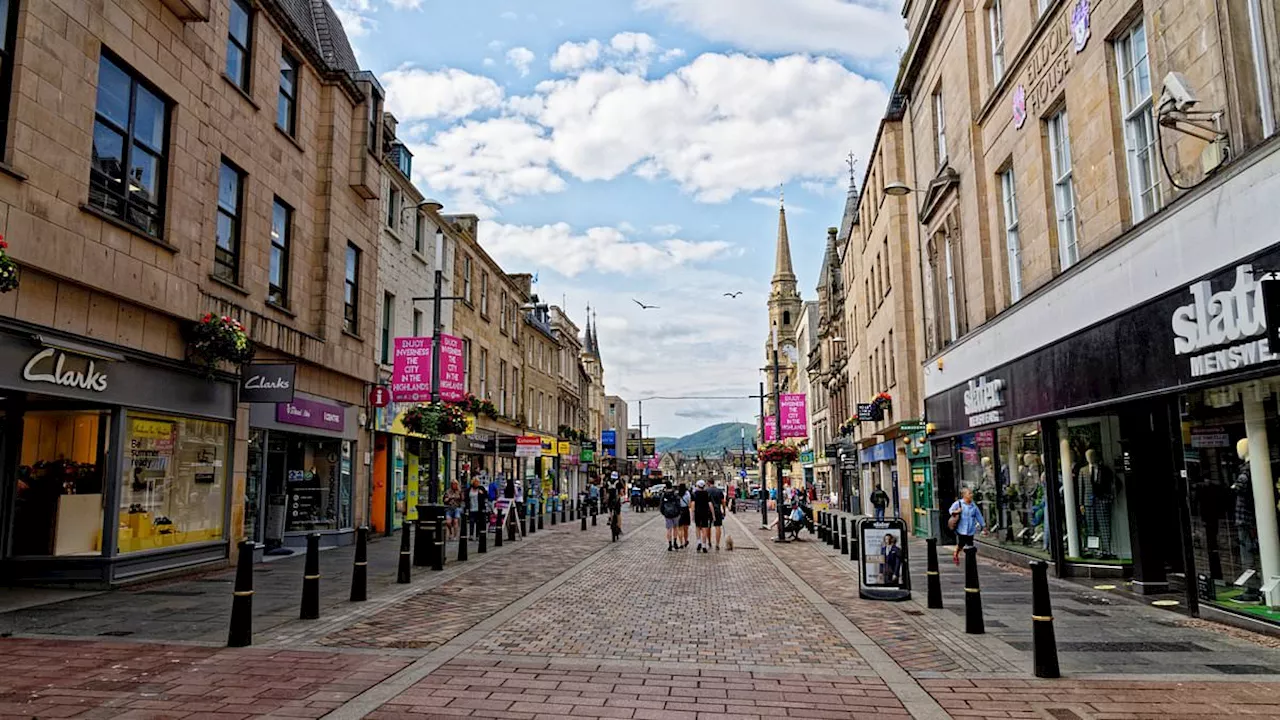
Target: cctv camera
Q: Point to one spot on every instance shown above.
(1178, 91)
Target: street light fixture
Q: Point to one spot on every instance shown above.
(898, 189)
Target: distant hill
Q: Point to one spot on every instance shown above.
(709, 441)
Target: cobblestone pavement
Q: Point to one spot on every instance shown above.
(718, 607)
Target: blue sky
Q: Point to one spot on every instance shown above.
(633, 149)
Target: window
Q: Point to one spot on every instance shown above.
(888, 283)
(375, 115)
(1139, 121)
(502, 387)
(239, 41)
(466, 357)
(541, 416)
(1261, 72)
(484, 293)
(418, 234)
(995, 18)
(530, 406)
(8, 36)
(226, 251)
(1064, 194)
(351, 292)
(278, 270)
(466, 279)
(893, 365)
(953, 311)
(940, 128)
(1012, 245)
(484, 373)
(393, 208)
(515, 391)
(502, 312)
(1042, 5)
(786, 317)
(287, 102)
(417, 323)
(388, 321)
(130, 137)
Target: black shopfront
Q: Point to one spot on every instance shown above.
(1141, 447)
(114, 464)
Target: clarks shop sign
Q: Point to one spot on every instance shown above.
(267, 383)
(55, 367)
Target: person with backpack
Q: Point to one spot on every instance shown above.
(880, 501)
(702, 516)
(669, 506)
(685, 502)
(718, 507)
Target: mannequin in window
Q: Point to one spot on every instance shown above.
(1095, 490)
(1033, 488)
(1244, 517)
(987, 492)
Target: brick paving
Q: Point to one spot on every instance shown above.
(1103, 699)
(645, 603)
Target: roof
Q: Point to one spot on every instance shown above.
(316, 24)
(782, 263)
(850, 217)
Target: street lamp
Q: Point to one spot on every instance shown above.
(777, 427)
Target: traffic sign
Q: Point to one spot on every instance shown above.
(379, 396)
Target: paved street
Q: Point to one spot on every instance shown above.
(567, 624)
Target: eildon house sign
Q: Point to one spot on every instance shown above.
(49, 366)
(1213, 319)
(983, 399)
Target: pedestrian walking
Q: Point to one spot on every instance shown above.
(880, 501)
(719, 505)
(477, 508)
(966, 520)
(685, 501)
(453, 508)
(615, 509)
(733, 497)
(669, 506)
(702, 516)
(594, 493)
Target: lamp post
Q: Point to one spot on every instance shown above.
(433, 512)
(777, 428)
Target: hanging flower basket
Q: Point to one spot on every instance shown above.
(848, 427)
(778, 452)
(488, 409)
(435, 420)
(8, 269)
(883, 401)
(216, 339)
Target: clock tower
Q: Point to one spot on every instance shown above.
(784, 311)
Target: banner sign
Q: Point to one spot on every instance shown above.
(267, 383)
(633, 448)
(309, 413)
(795, 416)
(411, 369)
(770, 429)
(528, 446)
(650, 447)
(608, 438)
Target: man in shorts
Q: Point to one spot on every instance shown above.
(702, 515)
(669, 506)
(718, 507)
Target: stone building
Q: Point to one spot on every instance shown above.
(616, 419)
(594, 403)
(572, 394)
(1090, 215)
(164, 160)
(542, 388)
(784, 317)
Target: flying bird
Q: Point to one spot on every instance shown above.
(733, 294)
(643, 306)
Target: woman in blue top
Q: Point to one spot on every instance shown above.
(969, 521)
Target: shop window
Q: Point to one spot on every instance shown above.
(130, 141)
(1095, 502)
(1139, 121)
(1019, 510)
(174, 482)
(287, 100)
(58, 507)
(240, 43)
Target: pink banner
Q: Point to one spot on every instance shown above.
(770, 429)
(654, 463)
(795, 415)
(411, 371)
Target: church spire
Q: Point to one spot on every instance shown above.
(783, 271)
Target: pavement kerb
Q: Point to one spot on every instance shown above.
(913, 696)
(376, 696)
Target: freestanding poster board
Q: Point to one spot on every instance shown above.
(882, 567)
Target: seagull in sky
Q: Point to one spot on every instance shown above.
(643, 306)
(733, 294)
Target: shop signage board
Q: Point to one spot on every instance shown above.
(528, 446)
(267, 382)
(564, 449)
(379, 396)
(880, 452)
(588, 455)
(882, 559)
(1210, 437)
(633, 448)
(650, 447)
(411, 369)
(912, 426)
(309, 413)
(794, 411)
(806, 457)
(770, 428)
(868, 412)
(549, 446)
(608, 438)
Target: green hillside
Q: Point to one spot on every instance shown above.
(709, 441)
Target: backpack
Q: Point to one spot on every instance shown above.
(670, 505)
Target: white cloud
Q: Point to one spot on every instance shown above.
(668, 230)
(484, 163)
(354, 16)
(672, 55)
(626, 43)
(520, 58)
(510, 15)
(417, 94)
(489, 62)
(572, 57)
(863, 29)
(406, 4)
(626, 227)
(496, 45)
(603, 249)
(772, 202)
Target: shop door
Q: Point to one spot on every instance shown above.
(945, 490)
(922, 498)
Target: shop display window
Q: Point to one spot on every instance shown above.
(977, 453)
(58, 506)
(1021, 520)
(308, 480)
(174, 483)
(1228, 494)
(1094, 490)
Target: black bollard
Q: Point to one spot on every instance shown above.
(462, 536)
(541, 508)
(972, 596)
(482, 537)
(573, 508)
(833, 535)
(553, 515)
(1044, 645)
(498, 529)
(593, 515)
(402, 574)
(421, 539)
(438, 539)
(563, 510)
(931, 573)
(822, 527)
(311, 580)
(241, 633)
(844, 536)
(583, 518)
(360, 572)
(524, 520)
